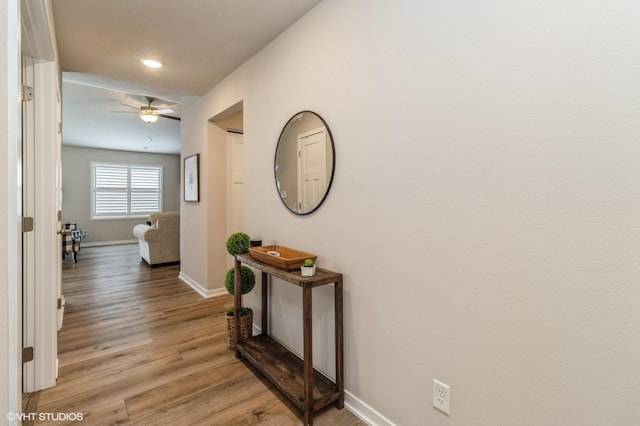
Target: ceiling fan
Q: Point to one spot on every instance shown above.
(149, 113)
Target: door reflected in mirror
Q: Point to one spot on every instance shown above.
(304, 162)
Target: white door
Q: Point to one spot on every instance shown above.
(236, 148)
(41, 250)
(312, 169)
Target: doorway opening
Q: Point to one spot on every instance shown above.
(226, 184)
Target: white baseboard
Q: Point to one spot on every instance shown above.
(108, 243)
(256, 330)
(364, 411)
(206, 294)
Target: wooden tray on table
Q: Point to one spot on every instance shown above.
(281, 257)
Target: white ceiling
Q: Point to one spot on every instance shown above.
(89, 116)
(100, 43)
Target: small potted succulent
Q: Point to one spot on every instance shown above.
(238, 243)
(308, 268)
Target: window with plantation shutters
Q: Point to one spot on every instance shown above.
(124, 191)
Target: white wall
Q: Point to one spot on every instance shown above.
(484, 208)
(76, 187)
(193, 215)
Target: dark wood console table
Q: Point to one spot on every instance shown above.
(296, 378)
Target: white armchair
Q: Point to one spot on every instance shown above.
(159, 242)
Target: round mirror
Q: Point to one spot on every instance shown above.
(304, 162)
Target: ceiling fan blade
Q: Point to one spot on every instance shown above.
(126, 112)
(130, 106)
(169, 116)
(165, 111)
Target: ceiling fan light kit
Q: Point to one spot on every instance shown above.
(149, 117)
(149, 114)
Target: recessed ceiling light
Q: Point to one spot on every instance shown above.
(151, 63)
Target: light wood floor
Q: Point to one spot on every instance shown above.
(138, 346)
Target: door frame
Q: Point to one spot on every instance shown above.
(10, 229)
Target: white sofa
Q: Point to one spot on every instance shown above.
(159, 242)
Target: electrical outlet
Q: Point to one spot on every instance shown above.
(441, 396)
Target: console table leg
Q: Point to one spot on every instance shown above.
(338, 300)
(308, 355)
(237, 303)
(265, 304)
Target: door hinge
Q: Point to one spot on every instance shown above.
(27, 354)
(27, 93)
(27, 224)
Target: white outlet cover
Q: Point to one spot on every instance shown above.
(441, 396)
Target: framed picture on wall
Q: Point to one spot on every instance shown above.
(191, 190)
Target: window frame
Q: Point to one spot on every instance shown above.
(128, 190)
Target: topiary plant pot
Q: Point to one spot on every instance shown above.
(246, 328)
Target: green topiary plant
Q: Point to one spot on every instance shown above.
(308, 262)
(247, 280)
(238, 243)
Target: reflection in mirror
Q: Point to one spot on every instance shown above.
(304, 162)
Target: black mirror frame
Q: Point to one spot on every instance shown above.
(333, 163)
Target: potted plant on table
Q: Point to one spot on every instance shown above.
(238, 243)
(308, 268)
